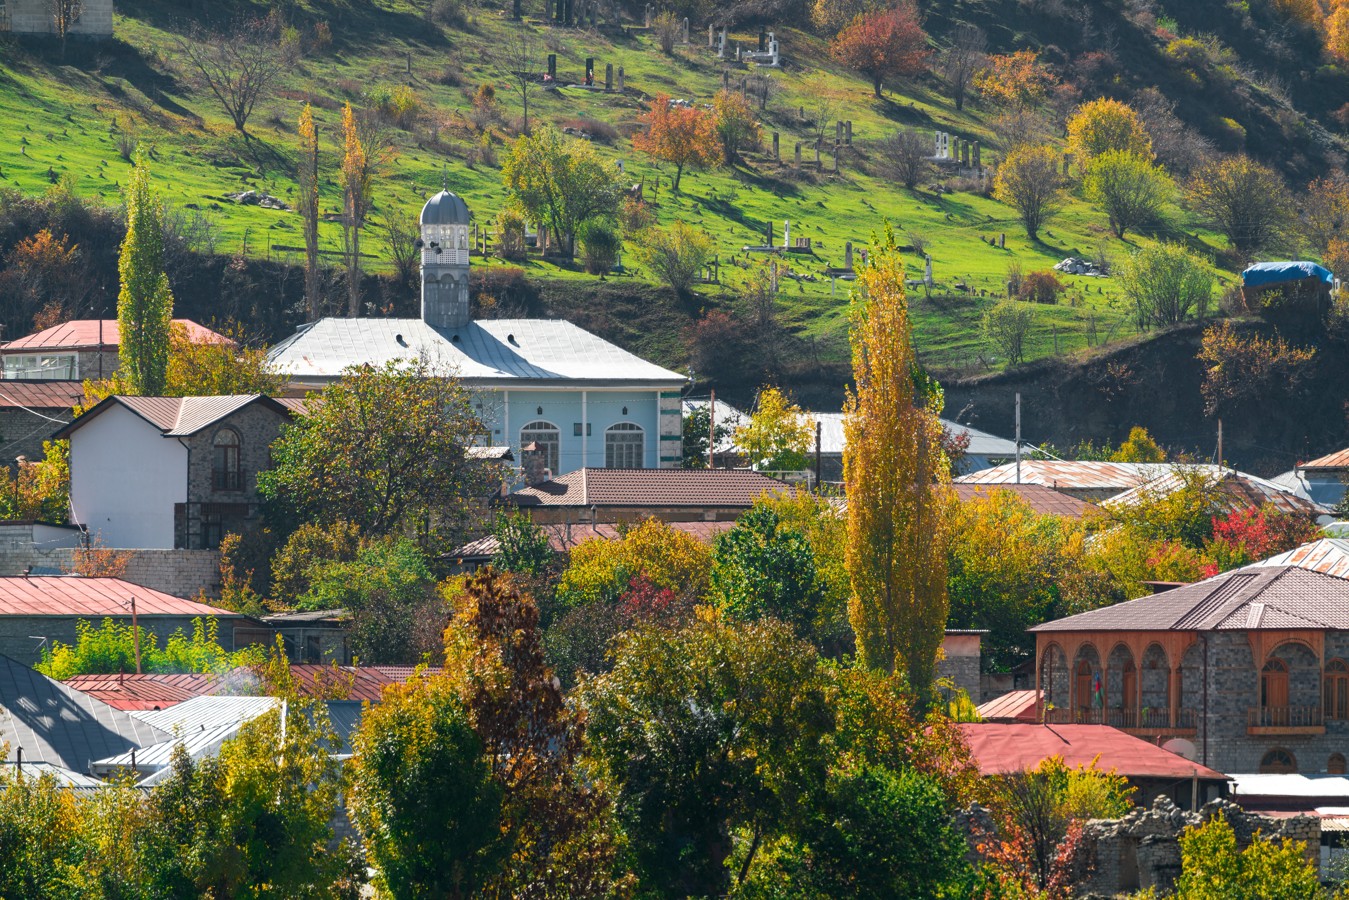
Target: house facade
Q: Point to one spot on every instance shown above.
(1247, 671)
(93, 19)
(79, 349)
(581, 400)
(171, 472)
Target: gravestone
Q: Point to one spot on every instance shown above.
(977, 164)
(711, 36)
(838, 132)
(965, 154)
(744, 87)
(646, 17)
(726, 79)
(847, 132)
(1002, 241)
(620, 79)
(847, 255)
(608, 77)
(836, 154)
(817, 154)
(763, 39)
(768, 234)
(685, 38)
(775, 146)
(590, 71)
(786, 234)
(552, 67)
(798, 154)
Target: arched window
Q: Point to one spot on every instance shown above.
(1278, 762)
(624, 446)
(1335, 690)
(547, 436)
(1274, 685)
(226, 474)
(1335, 765)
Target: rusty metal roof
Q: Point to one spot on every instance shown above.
(1337, 460)
(1247, 599)
(1014, 706)
(1239, 491)
(1328, 555)
(83, 334)
(1080, 475)
(72, 595)
(1045, 501)
(144, 692)
(1002, 748)
(18, 393)
(715, 488)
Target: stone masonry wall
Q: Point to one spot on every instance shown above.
(182, 573)
(34, 17)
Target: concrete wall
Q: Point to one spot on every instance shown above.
(961, 662)
(182, 573)
(21, 636)
(125, 478)
(34, 17)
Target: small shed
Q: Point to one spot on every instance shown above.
(1292, 287)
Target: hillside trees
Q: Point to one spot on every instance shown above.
(1029, 180)
(894, 468)
(1246, 201)
(356, 179)
(1166, 283)
(1102, 126)
(735, 123)
(560, 184)
(1005, 326)
(145, 303)
(307, 205)
(884, 45)
(1014, 80)
(675, 255)
(683, 136)
(1240, 369)
(908, 154)
(238, 66)
(962, 59)
(1130, 189)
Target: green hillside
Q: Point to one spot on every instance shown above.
(69, 122)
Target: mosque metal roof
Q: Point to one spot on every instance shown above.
(493, 353)
(445, 209)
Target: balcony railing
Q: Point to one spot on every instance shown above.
(1134, 719)
(1285, 717)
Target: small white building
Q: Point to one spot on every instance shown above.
(93, 19)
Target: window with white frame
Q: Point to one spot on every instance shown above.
(624, 446)
(547, 436)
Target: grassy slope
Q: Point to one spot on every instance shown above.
(66, 118)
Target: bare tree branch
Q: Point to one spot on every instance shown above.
(237, 66)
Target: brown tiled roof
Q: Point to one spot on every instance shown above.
(16, 392)
(1337, 460)
(182, 416)
(1002, 748)
(1251, 598)
(718, 488)
(85, 333)
(1045, 501)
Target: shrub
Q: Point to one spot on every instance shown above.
(1041, 287)
(600, 246)
(676, 255)
(510, 235)
(599, 131)
(449, 13)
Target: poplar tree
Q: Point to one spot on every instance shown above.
(356, 182)
(308, 204)
(145, 303)
(895, 471)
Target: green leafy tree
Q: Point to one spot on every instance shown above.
(1139, 447)
(382, 448)
(38, 489)
(819, 518)
(894, 467)
(41, 844)
(1213, 868)
(1167, 284)
(702, 733)
(766, 569)
(698, 436)
(522, 546)
(778, 435)
(675, 255)
(1029, 180)
(111, 648)
(1130, 188)
(145, 303)
(559, 183)
(423, 794)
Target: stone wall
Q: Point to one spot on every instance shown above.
(257, 426)
(1142, 850)
(22, 432)
(34, 17)
(182, 573)
(960, 662)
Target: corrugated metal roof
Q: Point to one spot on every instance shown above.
(981, 442)
(1080, 475)
(651, 487)
(1253, 597)
(1014, 706)
(1239, 491)
(1337, 460)
(57, 724)
(489, 352)
(146, 691)
(1002, 748)
(181, 416)
(1045, 501)
(64, 777)
(205, 713)
(81, 334)
(45, 395)
(1290, 785)
(1328, 555)
(73, 595)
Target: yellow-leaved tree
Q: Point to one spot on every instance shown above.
(896, 474)
(1104, 125)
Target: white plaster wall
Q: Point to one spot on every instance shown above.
(125, 478)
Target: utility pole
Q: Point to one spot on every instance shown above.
(1220, 445)
(712, 430)
(819, 430)
(1018, 438)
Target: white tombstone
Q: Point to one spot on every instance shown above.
(927, 272)
(936, 144)
(786, 235)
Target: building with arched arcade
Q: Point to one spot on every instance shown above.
(1247, 671)
(578, 399)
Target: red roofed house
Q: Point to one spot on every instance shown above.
(79, 349)
(631, 495)
(171, 472)
(47, 609)
(1247, 671)
(1001, 748)
(30, 411)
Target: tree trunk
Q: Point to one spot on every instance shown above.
(877, 85)
(354, 274)
(960, 99)
(679, 172)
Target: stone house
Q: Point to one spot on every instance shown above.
(79, 349)
(29, 410)
(1247, 671)
(35, 17)
(171, 472)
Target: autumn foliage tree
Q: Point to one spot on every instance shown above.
(1104, 125)
(355, 178)
(736, 125)
(882, 45)
(1029, 180)
(1015, 80)
(683, 136)
(307, 204)
(1246, 201)
(895, 469)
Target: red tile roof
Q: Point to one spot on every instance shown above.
(82, 334)
(63, 395)
(1015, 706)
(1337, 460)
(1002, 748)
(651, 487)
(1045, 501)
(147, 691)
(71, 595)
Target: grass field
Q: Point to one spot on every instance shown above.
(68, 122)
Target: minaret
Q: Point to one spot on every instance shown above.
(444, 246)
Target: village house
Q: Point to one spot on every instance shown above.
(583, 401)
(79, 349)
(171, 472)
(1247, 671)
(1322, 480)
(29, 411)
(594, 496)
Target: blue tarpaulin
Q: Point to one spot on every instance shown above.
(1275, 272)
